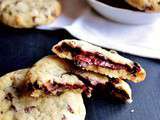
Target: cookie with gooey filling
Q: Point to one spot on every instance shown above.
(98, 60)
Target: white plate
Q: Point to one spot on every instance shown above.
(123, 15)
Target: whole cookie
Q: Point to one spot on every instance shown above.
(29, 13)
(145, 5)
(16, 106)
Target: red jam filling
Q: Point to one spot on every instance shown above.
(52, 87)
(59, 88)
(85, 59)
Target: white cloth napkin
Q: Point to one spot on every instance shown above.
(84, 23)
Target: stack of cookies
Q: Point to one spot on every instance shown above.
(100, 67)
(17, 102)
(51, 89)
(29, 13)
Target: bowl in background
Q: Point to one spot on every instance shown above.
(123, 15)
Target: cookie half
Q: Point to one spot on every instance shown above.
(96, 59)
(145, 5)
(117, 88)
(51, 75)
(29, 13)
(17, 106)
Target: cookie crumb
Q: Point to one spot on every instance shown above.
(132, 111)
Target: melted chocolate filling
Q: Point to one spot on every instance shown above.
(119, 4)
(108, 86)
(115, 91)
(84, 59)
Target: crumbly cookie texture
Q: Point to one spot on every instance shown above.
(145, 5)
(29, 13)
(16, 106)
(88, 54)
(52, 74)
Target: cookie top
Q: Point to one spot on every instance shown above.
(29, 13)
(145, 5)
(16, 106)
(52, 75)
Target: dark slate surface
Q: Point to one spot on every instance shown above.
(21, 48)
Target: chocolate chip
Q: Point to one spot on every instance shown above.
(113, 80)
(29, 109)
(14, 87)
(70, 109)
(58, 93)
(64, 117)
(34, 18)
(135, 69)
(67, 48)
(16, 2)
(10, 13)
(9, 97)
(35, 85)
(13, 108)
(1, 112)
